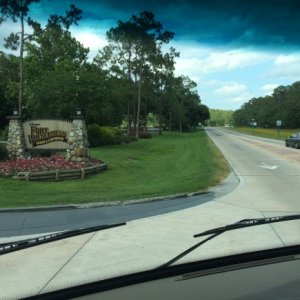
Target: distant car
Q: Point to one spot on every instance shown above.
(293, 141)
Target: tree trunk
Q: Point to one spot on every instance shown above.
(160, 117)
(134, 117)
(128, 103)
(146, 117)
(137, 132)
(128, 118)
(21, 67)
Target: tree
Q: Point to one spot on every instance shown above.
(133, 47)
(18, 10)
(53, 67)
(8, 79)
(283, 104)
(183, 102)
(163, 76)
(220, 117)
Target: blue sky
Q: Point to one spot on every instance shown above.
(233, 50)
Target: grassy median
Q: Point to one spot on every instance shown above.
(169, 164)
(266, 132)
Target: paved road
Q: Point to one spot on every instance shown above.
(269, 177)
(269, 172)
(20, 223)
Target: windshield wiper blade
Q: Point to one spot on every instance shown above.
(31, 242)
(219, 230)
(248, 223)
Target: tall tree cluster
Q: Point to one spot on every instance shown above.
(283, 104)
(220, 117)
(129, 79)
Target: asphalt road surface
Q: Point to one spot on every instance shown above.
(19, 223)
(269, 172)
(269, 182)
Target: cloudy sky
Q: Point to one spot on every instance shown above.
(233, 50)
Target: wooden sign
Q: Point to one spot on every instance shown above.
(47, 134)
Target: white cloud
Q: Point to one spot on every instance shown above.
(268, 88)
(286, 67)
(230, 89)
(287, 59)
(244, 97)
(91, 40)
(196, 60)
(6, 28)
(234, 59)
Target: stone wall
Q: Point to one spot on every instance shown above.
(78, 142)
(16, 140)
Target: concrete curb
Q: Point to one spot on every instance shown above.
(101, 204)
(118, 203)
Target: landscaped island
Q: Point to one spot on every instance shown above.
(55, 167)
(168, 164)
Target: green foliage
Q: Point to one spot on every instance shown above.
(130, 78)
(145, 135)
(109, 136)
(4, 134)
(181, 108)
(94, 135)
(220, 117)
(135, 55)
(173, 163)
(18, 12)
(3, 152)
(283, 104)
(271, 133)
(8, 86)
(103, 135)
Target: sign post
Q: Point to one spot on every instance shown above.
(278, 124)
(253, 125)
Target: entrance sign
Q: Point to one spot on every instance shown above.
(47, 134)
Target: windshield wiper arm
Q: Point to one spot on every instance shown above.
(219, 230)
(31, 242)
(248, 223)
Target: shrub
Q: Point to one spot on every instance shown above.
(94, 134)
(126, 139)
(103, 135)
(3, 152)
(129, 138)
(4, 134)
(145, 135)
(41, 153)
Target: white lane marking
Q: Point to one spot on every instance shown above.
(265, 166)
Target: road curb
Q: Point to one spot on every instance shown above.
(101, 204)
(119, 203)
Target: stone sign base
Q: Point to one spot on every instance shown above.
(77, 146)
(16, 141)
(78, 142)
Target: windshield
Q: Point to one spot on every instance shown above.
(174, 118)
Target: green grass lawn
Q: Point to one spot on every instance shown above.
(266, 132)
(168, 164)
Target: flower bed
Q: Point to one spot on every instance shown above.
(51, 168)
